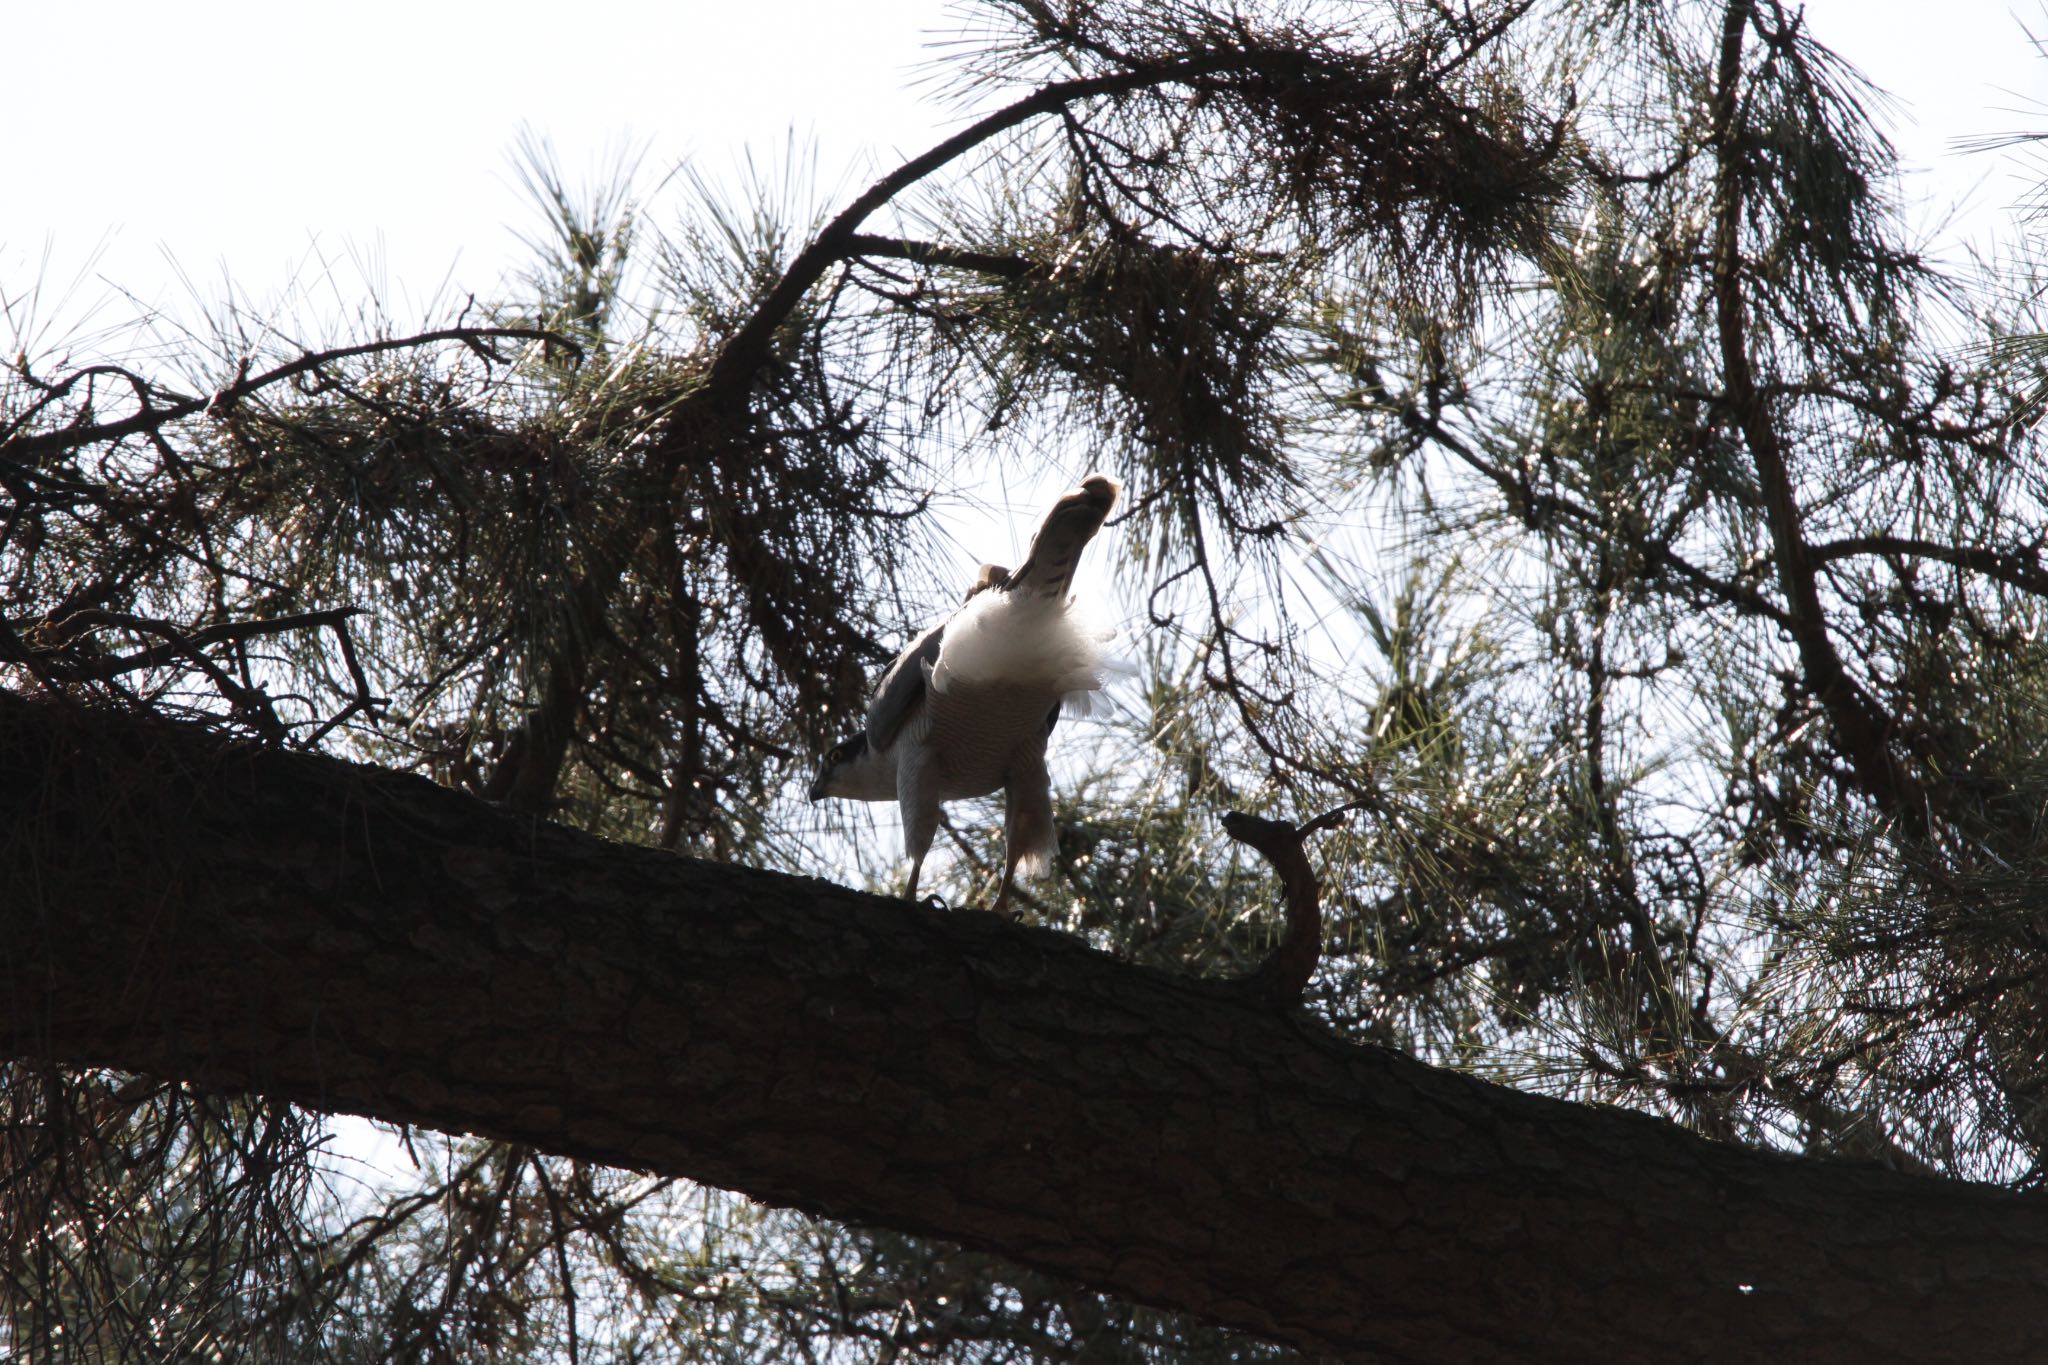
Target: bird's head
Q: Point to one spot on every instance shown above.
(843, 769)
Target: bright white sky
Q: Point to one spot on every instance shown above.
(251, 139)
(259, 140)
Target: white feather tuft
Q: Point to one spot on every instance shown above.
(1017, 641)
(1036, 862)
(1110, 670)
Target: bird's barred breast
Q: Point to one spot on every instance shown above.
(977, 732)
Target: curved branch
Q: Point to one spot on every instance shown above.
(748, 348)
(1282, 978)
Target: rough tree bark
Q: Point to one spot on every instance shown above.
(369, 943)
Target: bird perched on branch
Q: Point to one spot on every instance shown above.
(968, 707)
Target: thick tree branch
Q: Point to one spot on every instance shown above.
(364, 942)
(2016, 568)
(748, 347)
(1859, 724)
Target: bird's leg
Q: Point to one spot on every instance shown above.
(1029, 839)
(920, 819)
(1009, 880)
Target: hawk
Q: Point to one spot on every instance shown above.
(968, 707)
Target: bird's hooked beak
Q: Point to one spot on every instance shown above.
(836, 758)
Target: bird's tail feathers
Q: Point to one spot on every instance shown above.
(1057, 545)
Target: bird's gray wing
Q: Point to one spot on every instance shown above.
(1065, 532)
(902, 688)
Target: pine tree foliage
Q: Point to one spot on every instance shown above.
(1534, 444)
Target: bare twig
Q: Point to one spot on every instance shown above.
(152, 418)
